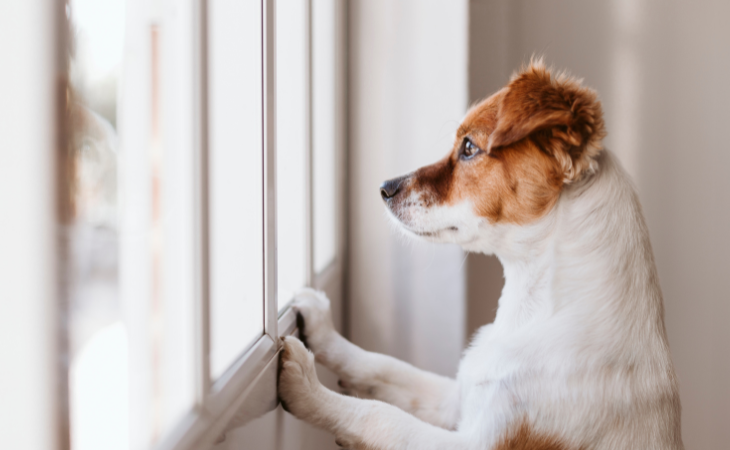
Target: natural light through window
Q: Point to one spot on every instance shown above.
(130, 238)
(98, 339)
(235, 177)
(323, 132)
(292, 145)
(171, 258)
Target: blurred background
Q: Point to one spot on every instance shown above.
(98, 222)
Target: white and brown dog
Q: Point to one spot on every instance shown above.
(577, 357)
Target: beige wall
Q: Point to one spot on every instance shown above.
(407, 95)
(661, 69)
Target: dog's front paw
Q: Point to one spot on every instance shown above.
(314, 319)
(299, 387)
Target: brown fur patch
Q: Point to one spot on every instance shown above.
(524, 438)
(536, 134)
(560, 115)
(516, 185)
(436, 181)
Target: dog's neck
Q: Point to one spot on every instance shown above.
(590, 252)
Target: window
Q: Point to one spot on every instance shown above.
(204, 183)
(235, 179)
(292, 145)
(324, 135)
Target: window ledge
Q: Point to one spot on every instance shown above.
(246, 391)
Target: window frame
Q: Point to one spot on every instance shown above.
(249, 385)
(216, 404)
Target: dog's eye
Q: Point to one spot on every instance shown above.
(468, 149)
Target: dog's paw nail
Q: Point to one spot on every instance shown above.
(284, 407)
(300, 326)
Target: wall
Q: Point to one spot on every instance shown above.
(407, 95)
(661, 71)
(29, 86)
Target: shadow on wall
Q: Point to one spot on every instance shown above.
(407, 93)
(660, 71)
(484, 282)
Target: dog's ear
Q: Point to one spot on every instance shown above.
(559, 114)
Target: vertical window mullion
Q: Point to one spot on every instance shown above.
(309, 158)
(269, 149)
(201, 191)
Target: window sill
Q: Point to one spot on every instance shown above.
(244, 392)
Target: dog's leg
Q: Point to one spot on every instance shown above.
(430, 397)
(356, 423)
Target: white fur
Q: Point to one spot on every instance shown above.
(578, 347)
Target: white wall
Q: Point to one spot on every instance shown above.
(661, 69)
(29, 87)
(407, 95)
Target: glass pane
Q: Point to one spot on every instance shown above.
(323, 129)
(291, 146)
(130, 234)
(98, 336)
(172, 323)
(235, 179)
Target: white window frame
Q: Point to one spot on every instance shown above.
(248, 388)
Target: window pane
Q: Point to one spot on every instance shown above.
(291, 146)
(235, 179)
(98, 336)
(131, 304)
(323, 129)
(173, 288)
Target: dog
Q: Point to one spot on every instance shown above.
(577, 356)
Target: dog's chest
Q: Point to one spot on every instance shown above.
(488, 366)
(491, 375)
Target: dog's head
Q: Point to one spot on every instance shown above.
(513, 154)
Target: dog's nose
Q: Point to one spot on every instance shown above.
(391, 187)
